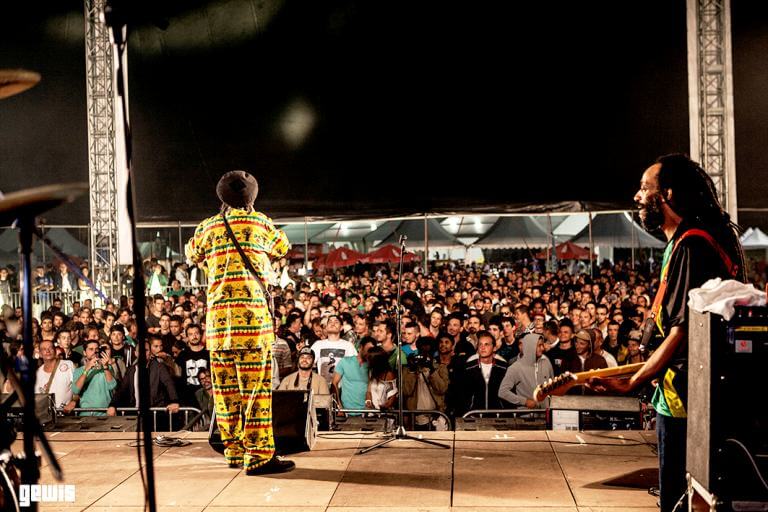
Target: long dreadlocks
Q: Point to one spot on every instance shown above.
(694, 198)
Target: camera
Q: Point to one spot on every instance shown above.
(103, 351)
(416, 361)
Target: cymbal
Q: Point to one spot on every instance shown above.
(34, 201)
(14, 81)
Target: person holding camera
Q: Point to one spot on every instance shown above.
(92, 383)
(425, 383)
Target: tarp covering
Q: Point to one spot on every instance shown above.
(414, 230)
(754, 238)
(515, 233)
(389, 253)
(616, 230)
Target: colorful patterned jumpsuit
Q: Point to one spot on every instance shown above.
(239, 331)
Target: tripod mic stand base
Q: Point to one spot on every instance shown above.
(400, 433)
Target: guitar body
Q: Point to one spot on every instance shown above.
(561, 384)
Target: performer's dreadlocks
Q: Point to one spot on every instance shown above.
(695, 200)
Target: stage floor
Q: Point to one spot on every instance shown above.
(480, 471)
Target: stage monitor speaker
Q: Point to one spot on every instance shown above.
(45, 409)
(593, 412)
(727, 445)
(294, 423)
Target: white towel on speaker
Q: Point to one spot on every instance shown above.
(721, 297)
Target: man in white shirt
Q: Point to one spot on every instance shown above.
(55, 375)
(332, 349)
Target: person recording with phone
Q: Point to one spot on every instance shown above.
(94, 382)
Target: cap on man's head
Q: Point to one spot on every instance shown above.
(583, 335)
(237, 189)
(635, 335)
(308, 351)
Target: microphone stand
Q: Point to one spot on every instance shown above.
(400, 432)
(116, 17)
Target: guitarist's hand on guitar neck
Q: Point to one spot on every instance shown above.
(599, 380)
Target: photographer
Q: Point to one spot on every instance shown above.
(94, 381)
(425, 383)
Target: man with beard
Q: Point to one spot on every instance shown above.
(305, 377)
(190, 361)
(678, 198)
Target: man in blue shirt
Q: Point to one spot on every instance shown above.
(350, 380)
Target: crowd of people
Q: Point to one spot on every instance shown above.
(473, 338)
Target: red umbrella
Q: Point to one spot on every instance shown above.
(337, 258)
(389, 253)
(568, 251)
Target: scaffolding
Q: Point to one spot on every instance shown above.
(710, 95)
(101, 147)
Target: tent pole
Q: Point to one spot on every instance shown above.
(181, 245)
(634, 239)
(426, 244)
(591, 248)
(306, 248)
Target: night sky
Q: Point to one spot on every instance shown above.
(371, 106)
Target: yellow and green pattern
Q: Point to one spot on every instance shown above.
(242, 382)
(238, 314)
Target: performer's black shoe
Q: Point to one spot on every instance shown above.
(275, 465)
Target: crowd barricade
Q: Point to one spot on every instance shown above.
(503, 419)
(193, 418)
(390, 417)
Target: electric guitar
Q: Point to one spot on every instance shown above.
(564, 382)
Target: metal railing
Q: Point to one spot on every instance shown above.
(392, 415)
(43, 300)
(197, 421)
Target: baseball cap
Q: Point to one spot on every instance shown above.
(306, 350)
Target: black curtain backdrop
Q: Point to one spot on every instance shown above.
(392, 106)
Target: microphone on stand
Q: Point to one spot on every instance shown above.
(402, 240)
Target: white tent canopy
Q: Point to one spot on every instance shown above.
(390, 232)
(616, 230)
(516, 233)
(754, 238)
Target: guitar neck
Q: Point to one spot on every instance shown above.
(617, 371)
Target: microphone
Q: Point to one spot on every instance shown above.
(402, 240)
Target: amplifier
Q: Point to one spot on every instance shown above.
(294, 423)
(587, 412)
(522, 422)
(727, 445)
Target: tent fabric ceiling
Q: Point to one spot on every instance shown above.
(515, 233)
(616, 230)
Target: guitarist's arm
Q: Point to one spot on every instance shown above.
(657, 362)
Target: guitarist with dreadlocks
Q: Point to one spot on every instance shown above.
(678, 199)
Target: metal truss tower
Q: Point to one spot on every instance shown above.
(710, 95)
(99, 63)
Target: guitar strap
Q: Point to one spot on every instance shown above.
(249, 265)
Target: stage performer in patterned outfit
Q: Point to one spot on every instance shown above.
(239, 330)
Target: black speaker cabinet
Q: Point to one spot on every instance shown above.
(727, 444)
(294, 423)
